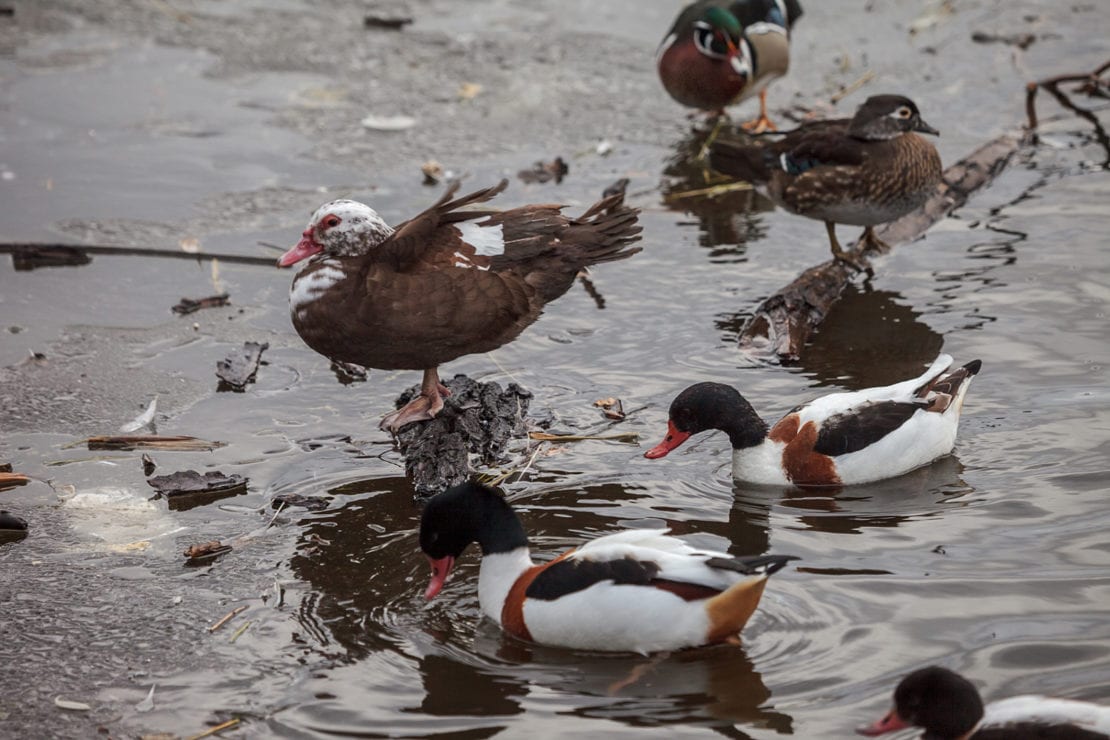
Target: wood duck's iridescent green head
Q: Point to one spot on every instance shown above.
(884, 117)
(718, 35)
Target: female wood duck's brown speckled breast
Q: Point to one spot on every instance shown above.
(892, 178)
(867, 170)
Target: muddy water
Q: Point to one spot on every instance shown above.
(131, 126)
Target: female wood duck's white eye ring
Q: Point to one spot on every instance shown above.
(904, 112)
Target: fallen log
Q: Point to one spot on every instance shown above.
(782, 323)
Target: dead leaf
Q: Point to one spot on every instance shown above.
(469, 90)
(612, 407)
(433, 172)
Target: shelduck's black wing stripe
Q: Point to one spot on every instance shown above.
(572, 575)
(864, 426)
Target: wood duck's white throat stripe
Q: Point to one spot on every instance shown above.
(488, 240)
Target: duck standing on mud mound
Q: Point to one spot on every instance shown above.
(719, 53)
(446, 283)
(640, 590)
(865, 171)
(838, 439)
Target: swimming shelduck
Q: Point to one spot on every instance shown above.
(947, 706)
(838, 439)
(640, 590)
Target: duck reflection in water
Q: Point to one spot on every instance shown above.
(727, 212)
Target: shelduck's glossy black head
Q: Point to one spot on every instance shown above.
(943, 703)
(463, 514)
(705, 406)
(887, 117)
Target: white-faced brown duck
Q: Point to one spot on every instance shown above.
(448, 282)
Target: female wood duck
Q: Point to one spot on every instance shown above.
(636, 591)
(948, 707)
(838, 439)
(865, 171)
(719, 52)
(446, 283)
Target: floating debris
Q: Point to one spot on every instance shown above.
(187, 489)
(541, 171)
(604, 147)
(191, 305)
(205, 551)
(190, 245)
(312, 503)
(214, 730)
(611, 407)
(231, 614)
(73, 706)
(1021, 40)
(469, 90)
(387, 22)
(432, 171)
(348, 372)
(238, 369)
(616, 188)
(147, 704)
(11, 480)
(149, 466)
(632, 437)
(179, 443)
(33, 256)
(478, 418)
(388, 123)
(144, 419)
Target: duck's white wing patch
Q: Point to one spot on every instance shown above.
(487, 240)
(1048, 711)
(308, 288)
(677, 561)
(839, 403)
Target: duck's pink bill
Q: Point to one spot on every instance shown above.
(889, 723)
(440, 569)
(305, 248)
(673, 439)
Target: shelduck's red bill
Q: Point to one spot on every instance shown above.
(305, 248)
(673, 439)
(440, 569)
(889, 723)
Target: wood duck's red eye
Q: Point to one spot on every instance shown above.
(331, 221)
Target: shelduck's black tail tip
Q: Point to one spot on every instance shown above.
(973, 367)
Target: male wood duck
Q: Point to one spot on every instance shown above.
(446, 283)
(639, 590)
(866, 170)
(719, 52)
(834, 440)
(948, 707)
